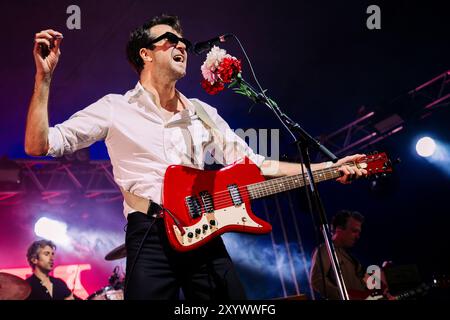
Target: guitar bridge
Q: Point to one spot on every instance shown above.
(207, 201)
(193, 205)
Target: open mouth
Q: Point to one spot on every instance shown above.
(178, 58)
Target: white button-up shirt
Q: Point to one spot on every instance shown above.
(142, 141)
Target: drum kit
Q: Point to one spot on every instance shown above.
(15, 288)
(113, 291)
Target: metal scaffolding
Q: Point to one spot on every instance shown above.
(375, 125)
(55, 181)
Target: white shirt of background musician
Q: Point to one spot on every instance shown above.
(142, 143)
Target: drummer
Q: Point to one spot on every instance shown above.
(41, 256)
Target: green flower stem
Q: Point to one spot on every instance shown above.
(247, 90)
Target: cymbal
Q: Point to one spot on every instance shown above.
(13, 288)
(117, 253)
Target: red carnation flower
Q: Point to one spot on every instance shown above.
(214, 88)
(218, 70)
(228, 69)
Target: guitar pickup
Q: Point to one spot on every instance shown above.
(235, 195)
(193, 205)
(207, 201)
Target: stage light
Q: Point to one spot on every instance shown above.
(425, 147)
(53, 230)
(436, 152)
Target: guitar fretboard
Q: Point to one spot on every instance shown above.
(277, 185)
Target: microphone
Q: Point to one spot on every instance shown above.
(200, 47)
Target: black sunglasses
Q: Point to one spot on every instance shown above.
(173, 39)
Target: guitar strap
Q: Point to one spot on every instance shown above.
(203, 115)
(218, 135)
(206, 119)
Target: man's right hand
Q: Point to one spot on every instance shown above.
(46, 55)
(46, 52)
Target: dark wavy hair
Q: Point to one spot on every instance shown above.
(340, 219)
(140, 38)
(33, 250)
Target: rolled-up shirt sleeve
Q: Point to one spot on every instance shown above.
(81, 130)
(233, 148)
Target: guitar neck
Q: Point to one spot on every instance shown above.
(277, 185)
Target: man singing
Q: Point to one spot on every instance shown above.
(147, 129)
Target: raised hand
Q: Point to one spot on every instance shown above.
(46, 51)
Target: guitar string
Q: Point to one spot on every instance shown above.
(223, 199)
(271, 186)
(245, 194)
(317, 172)
(287, 184)
(273, 181)
(220, 198)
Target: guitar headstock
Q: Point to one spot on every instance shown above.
(376, 164)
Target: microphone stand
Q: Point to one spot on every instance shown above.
(304, 141)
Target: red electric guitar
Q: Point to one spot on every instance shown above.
(201, 205)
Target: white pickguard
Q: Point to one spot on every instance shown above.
(234, 215)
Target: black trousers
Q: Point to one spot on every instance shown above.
(206, 273)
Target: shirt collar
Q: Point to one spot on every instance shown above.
(139, 91)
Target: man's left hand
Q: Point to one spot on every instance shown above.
(350, 172)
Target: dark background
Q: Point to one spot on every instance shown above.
(319, 62)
